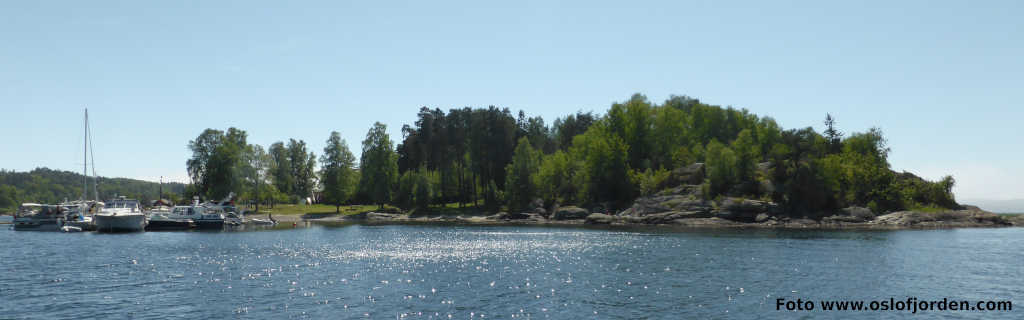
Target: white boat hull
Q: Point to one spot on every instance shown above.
(120, 222)
(85, 224)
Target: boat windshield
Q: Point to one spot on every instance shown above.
(183, 210)
(122, 204)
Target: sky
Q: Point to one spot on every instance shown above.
(942, 79)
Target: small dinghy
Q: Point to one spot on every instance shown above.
(262, 222)
(70, 229)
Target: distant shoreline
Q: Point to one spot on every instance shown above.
(905, 220)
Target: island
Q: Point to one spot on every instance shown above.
(680, 162)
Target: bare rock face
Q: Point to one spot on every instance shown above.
(600, 218)
(683, 198)
(1017, 220)
(766, 168)
(513, 215)
(382, 216)
(688, 175)
(859, 213)
(537, 206)
(570, 213)
(762, 218)
(707, 222)
(946, 219)
(668, 217)
(744, 210)
(838, 218)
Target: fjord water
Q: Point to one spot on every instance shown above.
(487, 272)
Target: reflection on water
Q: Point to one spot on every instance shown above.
(430, 272)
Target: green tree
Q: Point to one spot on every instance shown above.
(281, 168)
(8, 197)
(337, 165)
(557, 179)
(423, 188)
(218, 165)
(378, 166)
(721, 167)
(649, 181)
(747, 154)
(404, 195)
(605, 166)
(832, 135)
(565, 129)
(303, 168)
(257, 161)
(520, 188)
(203, 149)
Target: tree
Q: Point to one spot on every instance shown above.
(722, 169)
(281, 168)
(8, 197)
(747, 155)
(423, 189)
(605, 166)
(520, 188)
(337, 166)
(378, 166)
(833, 136)
(202, 148)
(303, 168)
(257, 171)
(217, 165)
(558, 179)
(564, 129)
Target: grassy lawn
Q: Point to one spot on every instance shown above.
(316, 209)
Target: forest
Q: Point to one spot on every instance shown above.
(492, 159)
(44, 185)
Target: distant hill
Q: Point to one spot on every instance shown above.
(45, 185)
(998, 206)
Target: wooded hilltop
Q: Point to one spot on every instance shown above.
(44, 185)
(494, 160)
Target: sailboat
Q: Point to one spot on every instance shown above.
(80, 213)
(120, 214)
(75, 214)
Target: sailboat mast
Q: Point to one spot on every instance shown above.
(92, 156)
(85, 154)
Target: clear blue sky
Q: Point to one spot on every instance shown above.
(942, 79)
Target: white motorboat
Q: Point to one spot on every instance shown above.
(209, 217)
(167, 218)
(120, 215)
(38, 217)
(201, 216)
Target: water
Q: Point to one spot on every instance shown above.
(471, 272)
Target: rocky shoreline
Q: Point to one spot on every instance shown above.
(682, 207)
(892, 221)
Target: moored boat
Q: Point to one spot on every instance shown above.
(120, 215)
(38, 217)
(209, 218)
(79, 214)
(176, 218)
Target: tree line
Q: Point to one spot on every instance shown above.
(44, 185)
(496, 160)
